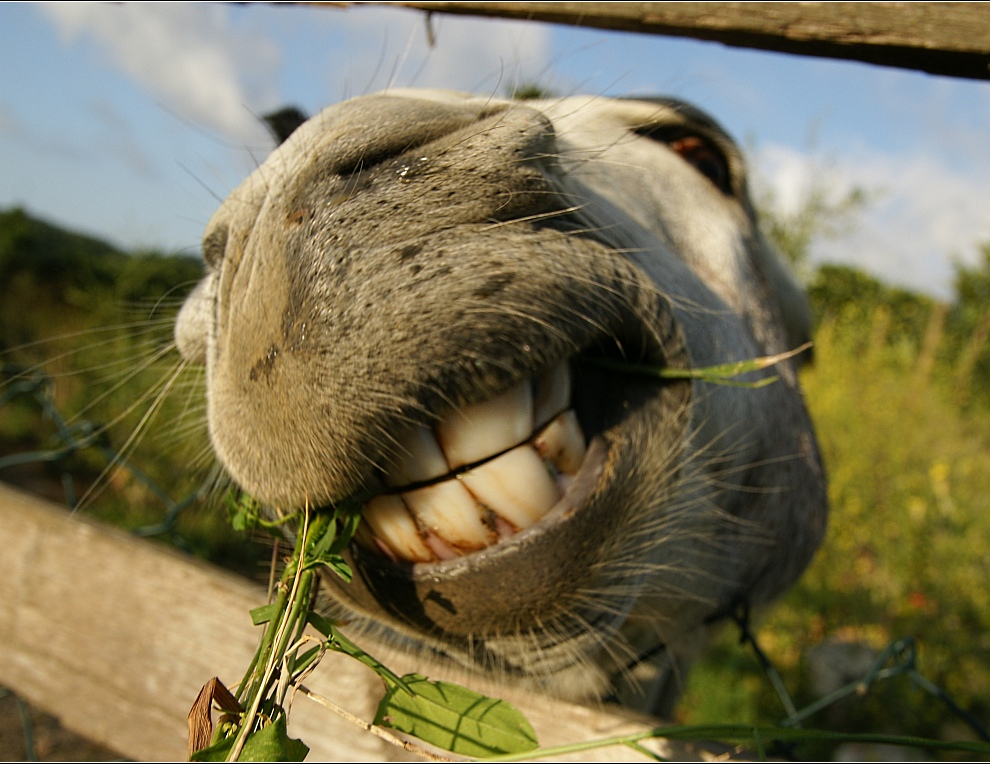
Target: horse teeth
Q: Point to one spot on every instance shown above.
(490, 427)
(516, 486)
(451, 513)
(441, 550)
(552, 393)
(389, 519)
(562, 443)
(365, 537)
(419, 458)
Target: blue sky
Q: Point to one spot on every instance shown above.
(131, 121)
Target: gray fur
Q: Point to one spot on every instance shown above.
(408, 253)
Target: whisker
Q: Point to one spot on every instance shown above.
(146, 364)
(127, 448)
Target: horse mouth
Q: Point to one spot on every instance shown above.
(479, 475)
(500, 512)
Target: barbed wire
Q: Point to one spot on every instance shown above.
(71, 438)
(899, 658)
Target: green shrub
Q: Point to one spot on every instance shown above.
(908, 547)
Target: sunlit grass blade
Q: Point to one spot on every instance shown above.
(720, 374)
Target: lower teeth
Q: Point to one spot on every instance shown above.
(516, 486)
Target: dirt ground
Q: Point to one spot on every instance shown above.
(41, 737)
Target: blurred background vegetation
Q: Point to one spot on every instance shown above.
(900, 395)
(87, 328)
(899, 391)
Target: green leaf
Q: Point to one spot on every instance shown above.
(216, 752)
(270, 743)
(262, 614)
(321, 623)
(455, 718)
(243, 512)
(336, 563)
(349, 517)
(322, 533)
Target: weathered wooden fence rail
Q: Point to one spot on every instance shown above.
(940, 38)
(115, 635)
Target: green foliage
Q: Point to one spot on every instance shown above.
(972, 285)
(67, 312)
(455, 718)
(271, 743)
(243, 512)
(851, 297)
(42, 262)
(259, 729)
(441, 713)
(819, 216)
(968, 326)
(52, 255)
(150, 276)
(906, 551)
(530, 91)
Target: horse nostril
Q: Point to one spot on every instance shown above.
(215, 245)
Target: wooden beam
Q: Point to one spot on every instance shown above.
(115, 636)
(940, 38)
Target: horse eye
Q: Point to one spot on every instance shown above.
(697, 151)
(705, 158)
(215, 246)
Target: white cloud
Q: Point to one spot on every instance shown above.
(219, 69)
(189, 55)
(922, 218)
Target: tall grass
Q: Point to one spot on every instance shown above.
(908, 548)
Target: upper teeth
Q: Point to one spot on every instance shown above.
(487, 428)
(515, 487)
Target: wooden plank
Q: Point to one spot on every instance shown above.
(940, 38)
(111, 634)
(115, 635)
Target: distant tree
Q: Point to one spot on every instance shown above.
(821, 215)
(969, 329)
(62, 262)
(849, 293)
(53, 255)
(151, 276)
(54, 281)
(529, 91)
(972, 288)
(837, 287)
